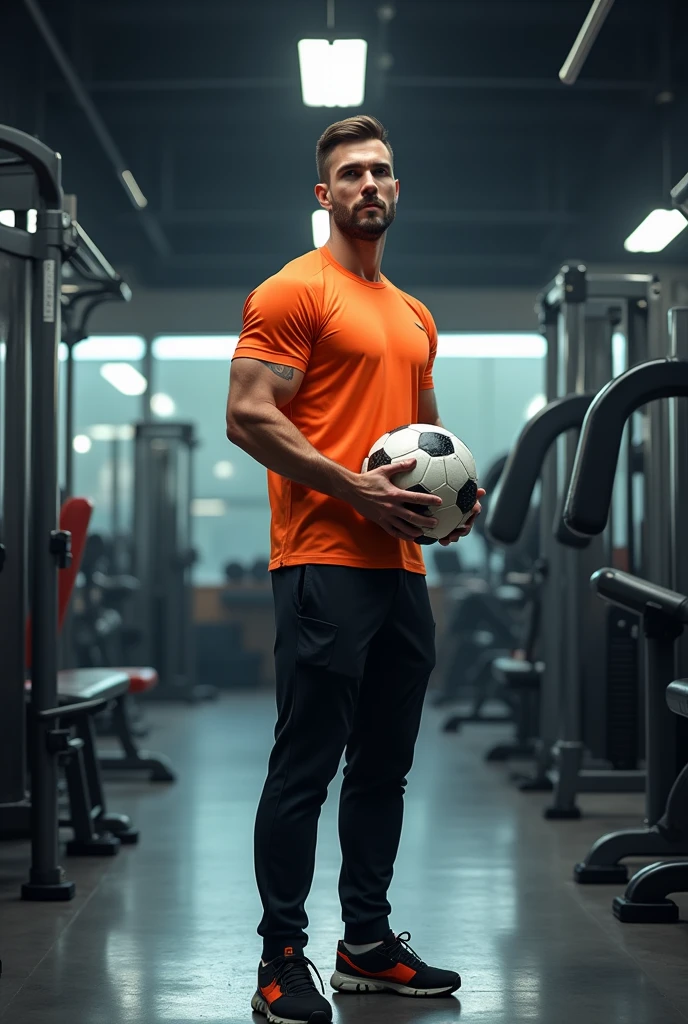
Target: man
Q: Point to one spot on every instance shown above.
(332, 356)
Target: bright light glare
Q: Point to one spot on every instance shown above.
(189, 346)
(81, 444)
(208, 507)
(333, 74)
(102, 347)
(162, 405)
(320, 221)
(223, 470)
(111, 432)
(8, 219)
(658, 229)
(491, 346)
(124, 377)
(534, 406)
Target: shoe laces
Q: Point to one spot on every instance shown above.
(402, 952)
(294, 976)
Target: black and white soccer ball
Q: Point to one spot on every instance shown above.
(444, 466)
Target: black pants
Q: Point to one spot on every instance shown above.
(354, 651)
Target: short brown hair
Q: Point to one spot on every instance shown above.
(361, 127)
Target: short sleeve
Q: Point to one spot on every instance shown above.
(281, 322)
(427, 383)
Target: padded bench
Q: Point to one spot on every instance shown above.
(82, 693)
(75, 685)
(519, 674)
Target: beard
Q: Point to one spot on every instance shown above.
(368, 227)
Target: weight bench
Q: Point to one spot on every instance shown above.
(82, 693)
(75, 516)
(141, 680)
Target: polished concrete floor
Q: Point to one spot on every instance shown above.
(165, 932)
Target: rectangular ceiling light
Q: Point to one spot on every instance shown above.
(101, 348)
(658, 229)
(320, 222)
(190, 346)
(491, 346)
(111, 432)
(208, 507)
(333, 74)
(124, 377)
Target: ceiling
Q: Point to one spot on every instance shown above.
(504, 171)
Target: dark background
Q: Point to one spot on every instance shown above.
(505, 172)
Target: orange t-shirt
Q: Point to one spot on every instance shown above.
(366, 349)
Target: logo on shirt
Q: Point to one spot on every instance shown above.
(420, 325)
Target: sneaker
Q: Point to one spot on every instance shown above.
(391, 967)
(286, 993)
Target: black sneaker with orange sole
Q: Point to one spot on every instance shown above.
(391, 967)
(286, 992)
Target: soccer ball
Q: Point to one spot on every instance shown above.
(444, 466)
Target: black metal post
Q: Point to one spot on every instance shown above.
(45, 870)
(15, 300)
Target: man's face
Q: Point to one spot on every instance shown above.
(362, 190)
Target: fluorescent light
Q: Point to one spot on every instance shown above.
(7, 218)
(491, 346)
(658, 229)
(32, 222)
(320, 221)
(111, 432)
(81, 444)
(333, 74)
(104, 347)
(124, 377)
(134, 190)
(190, 346)
(223, 470)
(162, 405)
(208, 507)
(534, 406)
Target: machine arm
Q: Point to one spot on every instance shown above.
(590, 491)
(509, 509)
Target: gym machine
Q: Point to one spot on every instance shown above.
(586, 513)
(34, 547)
(163, 557)
(590, 728)
(88, 281)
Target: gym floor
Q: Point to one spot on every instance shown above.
(165, 932)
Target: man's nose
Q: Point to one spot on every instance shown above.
(369, 185)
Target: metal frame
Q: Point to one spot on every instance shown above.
(164, 556)
(39, 272)
(578, 314)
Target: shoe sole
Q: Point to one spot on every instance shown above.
(345, 983)
(259, 1005)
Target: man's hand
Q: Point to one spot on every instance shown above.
(376, 497)
(464, 530)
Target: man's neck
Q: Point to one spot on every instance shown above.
(361, 258)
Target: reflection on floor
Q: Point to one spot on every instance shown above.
(165, 933)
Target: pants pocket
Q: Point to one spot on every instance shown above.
(315, 642)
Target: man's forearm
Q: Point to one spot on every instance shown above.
(268, 436)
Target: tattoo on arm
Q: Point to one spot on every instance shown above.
(285, 372)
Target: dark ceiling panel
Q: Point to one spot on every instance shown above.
(504, 171)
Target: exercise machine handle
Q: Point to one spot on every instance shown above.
(636, 595)
(592, 480)
(509, 508)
